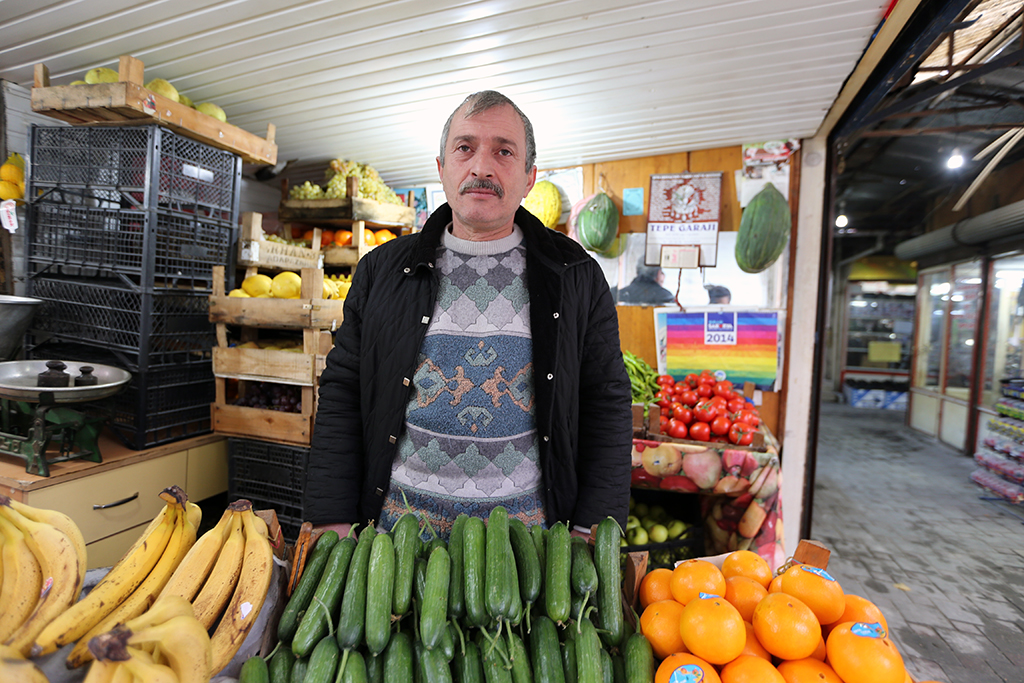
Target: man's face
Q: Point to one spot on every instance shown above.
(484, 174)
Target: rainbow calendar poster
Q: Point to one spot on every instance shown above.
(744, 345)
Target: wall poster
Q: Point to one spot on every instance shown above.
(685, 209)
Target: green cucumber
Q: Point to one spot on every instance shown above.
(434, 612)
(281, 664)
(544, 651)
(609, 588)
(406, 537)
(432, 664)
(353, 601)
(398, 665)
(527, 562)
(539, 535)
(473, 571)
(557, 598)
(323, 663)
(469, 667)
(496, 594)
(618, 669)
(316, 622)
(522, 672)
(514, 611)
(607, 674)
(457, 585)
(583, 574)
(638, 658)
(355, 669)
(303, 593)
(375, 668)
(448, 640)
(569, 661)
(420, 579)
(494, 658)
(299, 669)
(379, 584)
(588, 653)
(254, 670)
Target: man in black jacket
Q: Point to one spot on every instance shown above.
(479, 362)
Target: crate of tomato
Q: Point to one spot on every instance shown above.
(704, 409)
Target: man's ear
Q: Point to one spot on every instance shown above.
(532, 179)
(439, 168)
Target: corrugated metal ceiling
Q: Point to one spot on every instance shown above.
(375, 81)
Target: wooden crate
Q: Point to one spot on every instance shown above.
(310, 310)
(255, 250)
(128, 102)
(268, 425)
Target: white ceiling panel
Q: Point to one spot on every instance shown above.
(375, 81)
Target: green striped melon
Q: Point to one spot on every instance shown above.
(598, 223)
(764, 230)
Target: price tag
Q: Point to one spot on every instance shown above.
(9, 215)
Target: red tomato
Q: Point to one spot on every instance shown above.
(678, 388)
(723, 388)
(705, 411)
(666, 380)
(741, 434)
(704, 390)
(700, 431)
(683, 414)
(663, 402)
(720, 425)
(692, 380)
(720, 402)
(749, 417)
(689, 398)
(736, 405)
(707, 373)
(719, 439)
(662, 421)
(676, 429)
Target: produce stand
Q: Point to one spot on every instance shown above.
(127, 102)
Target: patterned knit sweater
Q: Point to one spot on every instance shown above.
(470, 440)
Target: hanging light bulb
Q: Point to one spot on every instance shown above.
(842, 221)
(956, 160)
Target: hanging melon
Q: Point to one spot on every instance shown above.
(598, 223)
(545, 202)
(764, 230)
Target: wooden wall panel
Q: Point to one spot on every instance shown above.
(636, 332)
(728, 160)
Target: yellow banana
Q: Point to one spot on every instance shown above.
(245, 605)
(1, 564)
(22, 579)
(193, 571)
(64, 524)
(183, 643)
(144, 596)
(165, 608)
(220, 584)
(122, 674)
(195, 513)
(59, 562)
(16, 669)
(112, 590)
(101, 671)
(145, 670)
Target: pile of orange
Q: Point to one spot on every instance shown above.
(739, 624)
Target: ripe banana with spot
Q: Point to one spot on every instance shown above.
(144, 596)
(250, 593)
(64, 524)
(183, 643)
(197, 565)
(22, 579)
(16, 669)
(220, 585)
(125, 576)
(145, 669)
(101, 671)
(61, 567)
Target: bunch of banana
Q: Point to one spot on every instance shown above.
(14, 668)
(43, 566)
(226, 576)
(164, 644)
(131, 586)
(343, 283)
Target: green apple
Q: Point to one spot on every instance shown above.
(622, 542)
(632, 503)
(637, 536)
(632, 521)
(640, 510)
(658, 513)
(648, 522)
(658, 533)
(676, 528)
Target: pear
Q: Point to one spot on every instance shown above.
(162, 87)
(101, 75)
(184, 99)
(211, 109)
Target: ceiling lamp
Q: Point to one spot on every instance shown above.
(842, 221)
(956, 160)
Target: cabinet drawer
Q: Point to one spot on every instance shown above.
(207, 470)
(141, 483)
(107, 551)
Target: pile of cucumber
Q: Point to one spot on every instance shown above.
(497, 603)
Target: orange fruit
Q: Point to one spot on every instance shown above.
(744, 594)
(655, 586)
(776, 585)
(326, 237)
(862, 653)
(343, 238)
(749, 564)
(748, 669)
(660, 624)
(819, 652)
(786, 626)
(712, 629)
(686, 665)
(307, 236)
(860, 609)
(807, 671)
(693, 577)
(753, 646)
(382, 236)
(369, 239)
(817, 589)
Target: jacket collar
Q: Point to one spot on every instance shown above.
(543, 246)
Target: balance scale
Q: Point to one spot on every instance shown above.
(27, 430)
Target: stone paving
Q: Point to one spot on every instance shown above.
(911, 533)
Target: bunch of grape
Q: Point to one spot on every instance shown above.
(370, 184)
(269, 396)
(306, 190)
(281, 240)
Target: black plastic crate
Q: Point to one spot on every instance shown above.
(186, 366)
(272, 476)
(137, 320)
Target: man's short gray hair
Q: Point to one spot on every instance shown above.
(482, 101)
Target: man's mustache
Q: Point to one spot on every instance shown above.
(482, 184)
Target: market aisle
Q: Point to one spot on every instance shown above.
(908, 531)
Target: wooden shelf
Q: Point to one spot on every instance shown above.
(128, 102)
(345, 212)
(255, 250)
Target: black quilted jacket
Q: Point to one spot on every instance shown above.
(582, 390)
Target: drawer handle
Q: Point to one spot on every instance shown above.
(117, 502)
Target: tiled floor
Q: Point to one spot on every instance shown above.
(909, 531)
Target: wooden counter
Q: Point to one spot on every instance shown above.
(113, 501)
